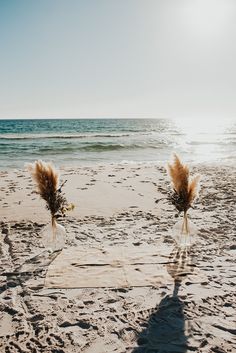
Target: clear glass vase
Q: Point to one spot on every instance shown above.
(53, 236)
(184, 232)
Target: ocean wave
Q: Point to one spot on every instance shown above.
(59, 136)
(100, 147)
(90, 147)
(73, 148)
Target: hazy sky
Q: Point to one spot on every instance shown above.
(117, 58)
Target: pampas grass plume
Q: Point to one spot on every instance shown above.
(185, 188)
(46, 178)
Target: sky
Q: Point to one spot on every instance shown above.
(117, 58)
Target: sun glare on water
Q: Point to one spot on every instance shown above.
(201, 126)
(204, 139)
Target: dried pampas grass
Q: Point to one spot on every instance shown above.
(46, 178)
(185, 189)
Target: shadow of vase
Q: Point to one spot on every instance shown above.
(165, 328)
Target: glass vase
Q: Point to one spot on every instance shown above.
(53, 236)
(184, 232)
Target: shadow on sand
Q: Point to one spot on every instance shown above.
(165, 330)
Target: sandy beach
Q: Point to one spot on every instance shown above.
(186, 304)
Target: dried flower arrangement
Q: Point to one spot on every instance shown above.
(185, 190)
(47, 178)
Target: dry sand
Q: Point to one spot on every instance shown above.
(191, 308)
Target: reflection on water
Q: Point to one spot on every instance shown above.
(207, 140)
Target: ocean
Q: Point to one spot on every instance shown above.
(88, 141)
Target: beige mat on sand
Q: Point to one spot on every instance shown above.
(117, 266)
